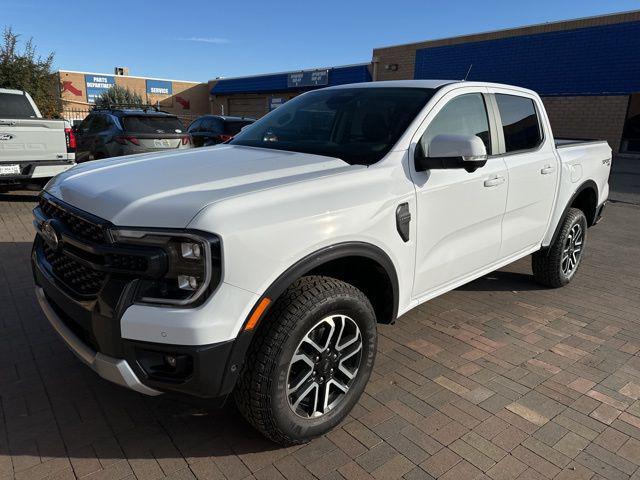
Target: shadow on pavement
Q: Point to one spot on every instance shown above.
(502, 281)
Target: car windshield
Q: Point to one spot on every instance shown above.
(357, 125)
(151, 124)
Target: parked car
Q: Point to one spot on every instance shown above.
(260, 268)
(32, 149)
(115, 132)
(214, 129)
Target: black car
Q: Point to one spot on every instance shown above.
(125, 131)
(213, 129)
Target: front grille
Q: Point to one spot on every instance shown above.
(80, 226)
(73, 274)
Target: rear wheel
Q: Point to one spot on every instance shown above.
(310, 362)
(557, 265)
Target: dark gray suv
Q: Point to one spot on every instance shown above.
(115, 132)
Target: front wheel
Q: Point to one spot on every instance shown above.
(556, 266)
(310, 361)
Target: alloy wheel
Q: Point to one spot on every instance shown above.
(324, 366)
(572, 250)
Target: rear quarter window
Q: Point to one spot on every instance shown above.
(520, 122)
(150, 124)
(15, 106)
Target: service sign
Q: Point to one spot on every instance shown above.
(97, 85)
(313, 78)
(159, 88)
(275, 102)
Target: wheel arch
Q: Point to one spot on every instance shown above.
(333, 260)
(323, 261)
(586, 199)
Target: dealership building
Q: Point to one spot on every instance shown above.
(78, 91)
(586, 71)
(256, 95)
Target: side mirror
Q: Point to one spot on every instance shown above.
(452, 151)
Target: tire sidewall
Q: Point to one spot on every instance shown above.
(341, 304)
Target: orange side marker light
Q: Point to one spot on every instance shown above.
(257, 313)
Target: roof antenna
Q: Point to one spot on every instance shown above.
(468, 72)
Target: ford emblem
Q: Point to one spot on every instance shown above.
(50, 235)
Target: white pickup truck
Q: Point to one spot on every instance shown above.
(32, 149)
(260, 267)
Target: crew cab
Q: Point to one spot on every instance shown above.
(260, 268)
(32, 148)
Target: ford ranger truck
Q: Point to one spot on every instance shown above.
(32, 149)
(259, 268)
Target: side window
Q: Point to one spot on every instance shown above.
(464, 115)
(520, 122)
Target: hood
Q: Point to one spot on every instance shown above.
(168, 190)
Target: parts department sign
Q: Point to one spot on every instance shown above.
(97, 85)
(159, 88)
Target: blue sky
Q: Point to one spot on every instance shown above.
(200, 40)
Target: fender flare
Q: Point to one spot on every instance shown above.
(589, 184)
(243, 341)
(334, 252)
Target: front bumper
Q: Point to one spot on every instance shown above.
(115, 370)
(148, 349)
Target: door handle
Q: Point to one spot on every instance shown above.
(11, 124)
(495, 181)
(547, 170)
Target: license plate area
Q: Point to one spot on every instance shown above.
(162, 143)
(10, 169)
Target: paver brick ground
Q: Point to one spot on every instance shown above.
(500, 379)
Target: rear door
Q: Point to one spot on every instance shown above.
(532, 166)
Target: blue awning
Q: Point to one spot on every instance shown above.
(278, 82)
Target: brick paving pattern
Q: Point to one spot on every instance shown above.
(500, 379)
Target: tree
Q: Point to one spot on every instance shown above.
(118, 95)
(24, 69)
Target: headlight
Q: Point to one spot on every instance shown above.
(193, 265)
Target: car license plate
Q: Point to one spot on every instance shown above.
(10, 170)
(162, 143)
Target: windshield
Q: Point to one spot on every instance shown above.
(151, 124)
(357, 125)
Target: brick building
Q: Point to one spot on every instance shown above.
(586, 70)
(256, 95)
(78, 90)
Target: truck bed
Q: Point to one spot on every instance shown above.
(570, 142)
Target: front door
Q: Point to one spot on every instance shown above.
(459, 213)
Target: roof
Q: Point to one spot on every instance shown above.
(400, 84)
(133, 111)
(278, 82)
(227, 117)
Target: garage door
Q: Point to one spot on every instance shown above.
(254, 107)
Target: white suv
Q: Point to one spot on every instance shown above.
(261, 267)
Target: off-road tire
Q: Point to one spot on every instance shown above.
(260, 393)
(547, 263)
